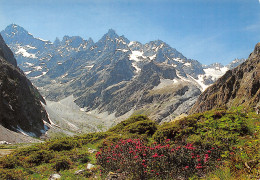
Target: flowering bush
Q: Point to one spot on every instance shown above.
(139, 161)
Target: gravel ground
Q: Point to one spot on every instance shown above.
(14, 137)
(4, 152)
(68, 116)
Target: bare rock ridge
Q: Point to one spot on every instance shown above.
(20, 102)
(240, 86)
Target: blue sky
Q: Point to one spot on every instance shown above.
(206, 30)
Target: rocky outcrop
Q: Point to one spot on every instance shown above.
(20, 102)
(240, 86)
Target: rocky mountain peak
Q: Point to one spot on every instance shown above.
(15, 30)
(135, 45)
(57, 42)
(74, 41)
(90, 40)
(157, 43)
(15, 35)
(111, 34)
(235, 63)
(257, 49)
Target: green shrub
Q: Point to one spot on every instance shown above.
(142, 127)
(62, 145)
(13, 174)
(177, 130)
(120, 126)
(84, 159)
(39, 157)
(9, 161)
(27, 151)
(110, 139)
(81, 155)
(92, 137)
(138, 124)
(61, 163)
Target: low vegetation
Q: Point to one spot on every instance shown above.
(134, 159)
(218, 144)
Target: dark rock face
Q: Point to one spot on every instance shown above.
(6, 53)
(240, 86)
(20, 102)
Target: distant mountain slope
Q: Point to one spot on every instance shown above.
(240, 86)
(20, 102)
(113, 75)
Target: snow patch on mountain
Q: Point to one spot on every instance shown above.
(200, 82)
(187, 64)
(164, 83)
(30, 47)
(134, 64)
(123, 50)
(90, 66)
(178, 60)
(38, 68)
(36, 77)
(22, 51)
(29, 64)
(25, 133)
(44, 40)
(152, 57)
(131, 43)
(63, 76)
(215, 73)
(136, 55)
(27, 72)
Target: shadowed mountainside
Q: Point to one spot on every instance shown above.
(20, 102)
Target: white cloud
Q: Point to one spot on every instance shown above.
(253, 27)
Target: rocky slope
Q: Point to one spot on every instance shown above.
(240, 86)
(113, 75)
(20, 102)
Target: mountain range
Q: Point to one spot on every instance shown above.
(114, 75)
